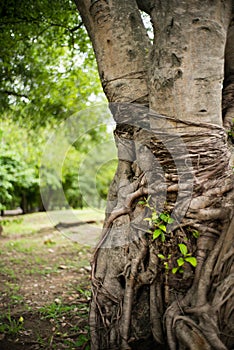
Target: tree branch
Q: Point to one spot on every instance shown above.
(13, 93)
(33, 20)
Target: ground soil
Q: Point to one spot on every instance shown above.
(44, 290)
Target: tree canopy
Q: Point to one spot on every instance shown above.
(47, 67)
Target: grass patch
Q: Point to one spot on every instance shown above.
(17, 225)
(8, 272)
(39, 271)
(58, 313)
(44, 279)
(32, 223)
(56, 310)
(10, 325)
(21, 246)
(16, 299)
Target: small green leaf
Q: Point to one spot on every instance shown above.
(157, 233)
(175, 269)
(195, 233)
(166, 218)
(148, 219)
(163, 217)
(183, 248)
(141, 202)
(191, 260)
(163, 228)
(180, 262)
(161, 256)
(163, 238)
(170, 220)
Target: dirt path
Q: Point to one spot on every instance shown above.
(44, 289)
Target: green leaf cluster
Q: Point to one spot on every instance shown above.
(165, 261)
(158, 222)
(186, 257)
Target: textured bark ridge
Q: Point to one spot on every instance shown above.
(174, 160)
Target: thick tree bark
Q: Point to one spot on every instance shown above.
(121, 46)
(166, 99)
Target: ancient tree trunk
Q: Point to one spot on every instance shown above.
(165, 282)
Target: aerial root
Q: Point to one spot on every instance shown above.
(194, 317)
(169, 316)
(191, 337)
(125, 209)
(155, 312)
(129, 292)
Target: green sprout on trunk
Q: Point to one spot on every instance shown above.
(186, 257)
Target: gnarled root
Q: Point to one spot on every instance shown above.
(196, 319)
(137, 301)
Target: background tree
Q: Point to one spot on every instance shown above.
(19, 171)
(169, 283)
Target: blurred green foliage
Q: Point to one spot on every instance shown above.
(82, 176)
(18, 167)
(47, 66)
(47, 74)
